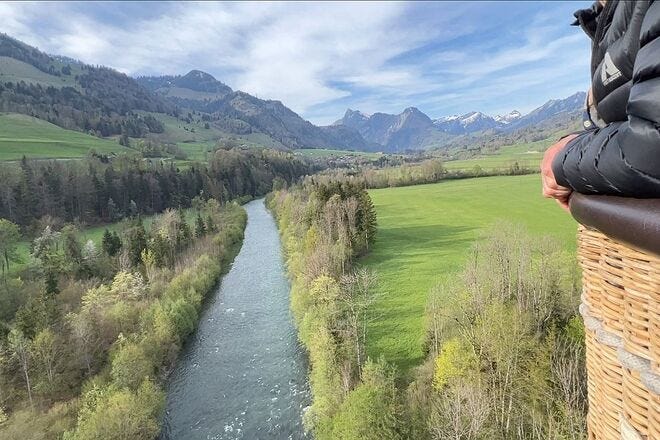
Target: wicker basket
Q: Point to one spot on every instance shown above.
(610, 392)
(603, 278)
(621, 308)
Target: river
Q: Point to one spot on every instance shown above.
(243, 374)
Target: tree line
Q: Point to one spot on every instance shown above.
(67, 107)
(388, 173)
(97, 190)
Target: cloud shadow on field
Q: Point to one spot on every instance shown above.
(418, 241)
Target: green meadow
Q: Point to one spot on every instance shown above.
(22, 135)
(527, 154)
(425, 233)
(196, 140)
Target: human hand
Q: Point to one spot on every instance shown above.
(551, 189)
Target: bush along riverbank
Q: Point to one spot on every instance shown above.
(96, 364)
(324, 228)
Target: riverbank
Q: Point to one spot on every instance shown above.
(324, 228)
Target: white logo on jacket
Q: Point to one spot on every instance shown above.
(609, 72)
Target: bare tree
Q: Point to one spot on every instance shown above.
(460, 413)
(436, 315)
(358, 294)
(46, 352)
(20, 347)
(569, 371)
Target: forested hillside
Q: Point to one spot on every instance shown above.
(242, 113)
(90, 99)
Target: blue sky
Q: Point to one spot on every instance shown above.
(321, 58)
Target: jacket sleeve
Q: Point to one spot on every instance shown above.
(623, 158)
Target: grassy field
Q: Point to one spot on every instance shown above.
(526, 154)
(424, 235)
(22, 135)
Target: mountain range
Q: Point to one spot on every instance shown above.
(104, 102)
(414, 130)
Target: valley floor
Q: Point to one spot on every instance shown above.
(424, 236)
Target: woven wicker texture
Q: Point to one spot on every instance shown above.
(637, 400)
(654, 429)
(621, 310)
(652, 382)
(602, 279)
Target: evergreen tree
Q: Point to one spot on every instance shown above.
(124, 140)
(161, 250)
(113, 214)
(183, 234)
(9, 237)
(200, 228)
(210, 224)
(72, 247)
(111, 243)
(52, 288)
(136, 242)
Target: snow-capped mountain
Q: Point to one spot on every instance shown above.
(467, 123)
(509, 117)
(573, 103)
(412, 129)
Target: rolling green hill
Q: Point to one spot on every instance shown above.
(13, 70)
(22, 135)
(424, 235)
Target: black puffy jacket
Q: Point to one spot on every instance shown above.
(622, 156)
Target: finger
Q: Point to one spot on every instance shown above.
(557, 194)
(551, 183)
(564, 205)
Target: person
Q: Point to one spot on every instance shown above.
(618, 153)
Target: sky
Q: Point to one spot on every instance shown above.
(320, 58)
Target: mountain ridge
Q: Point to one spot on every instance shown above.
(383, 128)
(102, 101)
